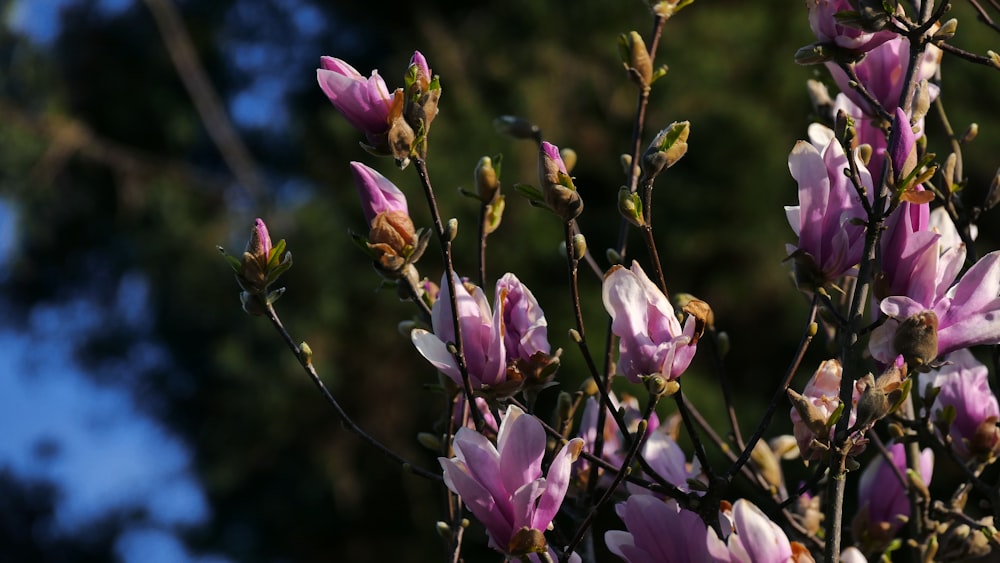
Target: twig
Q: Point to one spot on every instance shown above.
(345, 419)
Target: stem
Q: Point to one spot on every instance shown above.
(346, 420)
(779, 394)
(482, 244)
(421, 165)
(633, 451)
(699, 447)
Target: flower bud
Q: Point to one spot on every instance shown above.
(993, 193)
(636, 59)
(487, 180)
(630, 206)
(579, 246)
(667, 148)
(422, 94)
(526, 540)
(558, 191)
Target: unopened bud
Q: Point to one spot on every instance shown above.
(564, 406)
(946, 31)
(626, 162)
(660, 386)
(589, 387)
(579, 246)
(994, 59)
(406, 327)
(451, 229)
(767, 464)
(971, 132)
(669, 146)
(722, 338)
(574, 335)
(305, 353)
(993, 193)
(819, 95)
(487, 180)
(430, 441)
(443, 530)
(635, 57)
(785, 446)
(843, 127)
(864, 153)
(630, 207)
(613, 256)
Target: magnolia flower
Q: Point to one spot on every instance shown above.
(666, 458)
(524, 324)
(967, 314)
(364, 102)
(482, 336)
(756, 539)
(503, 485)
(883, 72)
(811, 410)
(378, 194)
(825, 220)
(964, 386)
(652, 340)
(661, 532)
(882, 495)
(824, 23)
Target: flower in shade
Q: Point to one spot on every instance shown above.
(757, 539)
(482, 336)
(882, 496)
(826, 220)
(811, 410)
(965, 393)
(503, 485)
(828, 29)
(652, 341)
(661, 532)
(365, 102)
(883, 72)
(613, 448)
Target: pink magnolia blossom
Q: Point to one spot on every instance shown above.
(964, 386)
(756, 538)
(378, 194)
(667, 459)
(503, 485)
(482, 336)
(822, 391)
(825, 220)
(968, 313)
(662, 532)
(824, 24)
(652, 340)
(524, 324)
(882, 496)
(364, 102)
(883, 72)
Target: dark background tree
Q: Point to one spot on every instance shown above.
(114, 171)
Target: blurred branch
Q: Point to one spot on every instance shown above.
(206, 99)
(68, 136)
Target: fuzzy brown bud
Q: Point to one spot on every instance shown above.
(917, 340)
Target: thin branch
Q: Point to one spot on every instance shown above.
(345, 419)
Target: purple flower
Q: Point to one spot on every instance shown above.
(882, 496)
(821, 397)
(756, 539)
(823, 21)
(968, 313)
(830, 241)
(661, 532)
(652, 340)
(666, 458)
(964, 386)
(551, 153)
(259, 244)
(378, 194)
(503, 485)
(421, 63)
(364, 102)
(525, 327)
(482, 336)
(882, 72)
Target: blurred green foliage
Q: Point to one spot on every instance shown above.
(111, 172)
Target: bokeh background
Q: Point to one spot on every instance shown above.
(145, 417)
